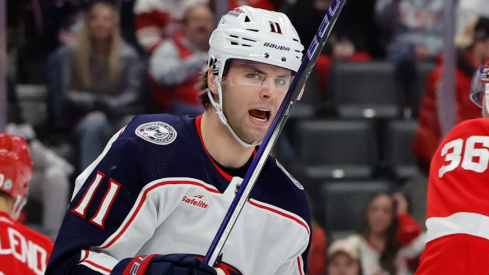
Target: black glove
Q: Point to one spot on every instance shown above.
(173, 264)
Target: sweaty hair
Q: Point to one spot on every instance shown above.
(202, 84)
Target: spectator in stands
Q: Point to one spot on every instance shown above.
(176, 65)
(95, 84)
(411, 29)
(343, 257)
(158, 20)
(468, 10)
(428, 134)
(50, 184)
(390, 240)
(23, 251)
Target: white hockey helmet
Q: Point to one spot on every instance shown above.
(257, 35)
(252, 34)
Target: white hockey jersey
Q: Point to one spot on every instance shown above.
(155, 190)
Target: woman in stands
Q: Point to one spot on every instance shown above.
(390, 240)
(96, 82)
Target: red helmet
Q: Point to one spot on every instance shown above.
(15, 169)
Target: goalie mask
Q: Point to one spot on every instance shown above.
(15, 169)
(252, 34)
(478, 85)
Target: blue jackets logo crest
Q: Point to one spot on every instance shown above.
(157, 132)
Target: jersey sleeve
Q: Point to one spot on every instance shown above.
(108, 192)
(297, 264)
(457, 238)
(408, 229)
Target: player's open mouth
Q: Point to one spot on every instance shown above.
(260, 115)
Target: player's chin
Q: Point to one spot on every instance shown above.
(255, 135)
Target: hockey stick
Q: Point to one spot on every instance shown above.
(293, 94)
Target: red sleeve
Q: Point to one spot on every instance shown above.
(408, 229)
(316, 264)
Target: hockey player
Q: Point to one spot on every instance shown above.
(153, 201)
(458, 204)
(22, 250)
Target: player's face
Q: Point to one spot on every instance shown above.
(252, 94)
(380, 214)
(342, 264)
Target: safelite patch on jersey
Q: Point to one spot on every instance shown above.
(157, 132)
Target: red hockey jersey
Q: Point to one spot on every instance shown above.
(22, 250)
(458, 203)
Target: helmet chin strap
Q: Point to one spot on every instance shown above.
(18, 205)
(222, 117)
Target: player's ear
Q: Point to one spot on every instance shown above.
(211, 81)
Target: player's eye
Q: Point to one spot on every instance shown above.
(254, 76)
(281, 81)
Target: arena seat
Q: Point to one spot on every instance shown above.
(365, 90)
(344, 204)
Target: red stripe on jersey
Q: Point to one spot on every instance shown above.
(256, 203)
(299, 265)
(87, 252)
(143, 199)
(98, 266)
(198, 122)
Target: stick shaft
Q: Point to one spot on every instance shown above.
(293, 94)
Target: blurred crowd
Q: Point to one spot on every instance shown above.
(104, 62)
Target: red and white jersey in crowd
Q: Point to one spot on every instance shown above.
(458, 203)
(175, 68)
(156, 20)
(22, 250)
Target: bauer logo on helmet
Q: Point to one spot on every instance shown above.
(275, 46)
